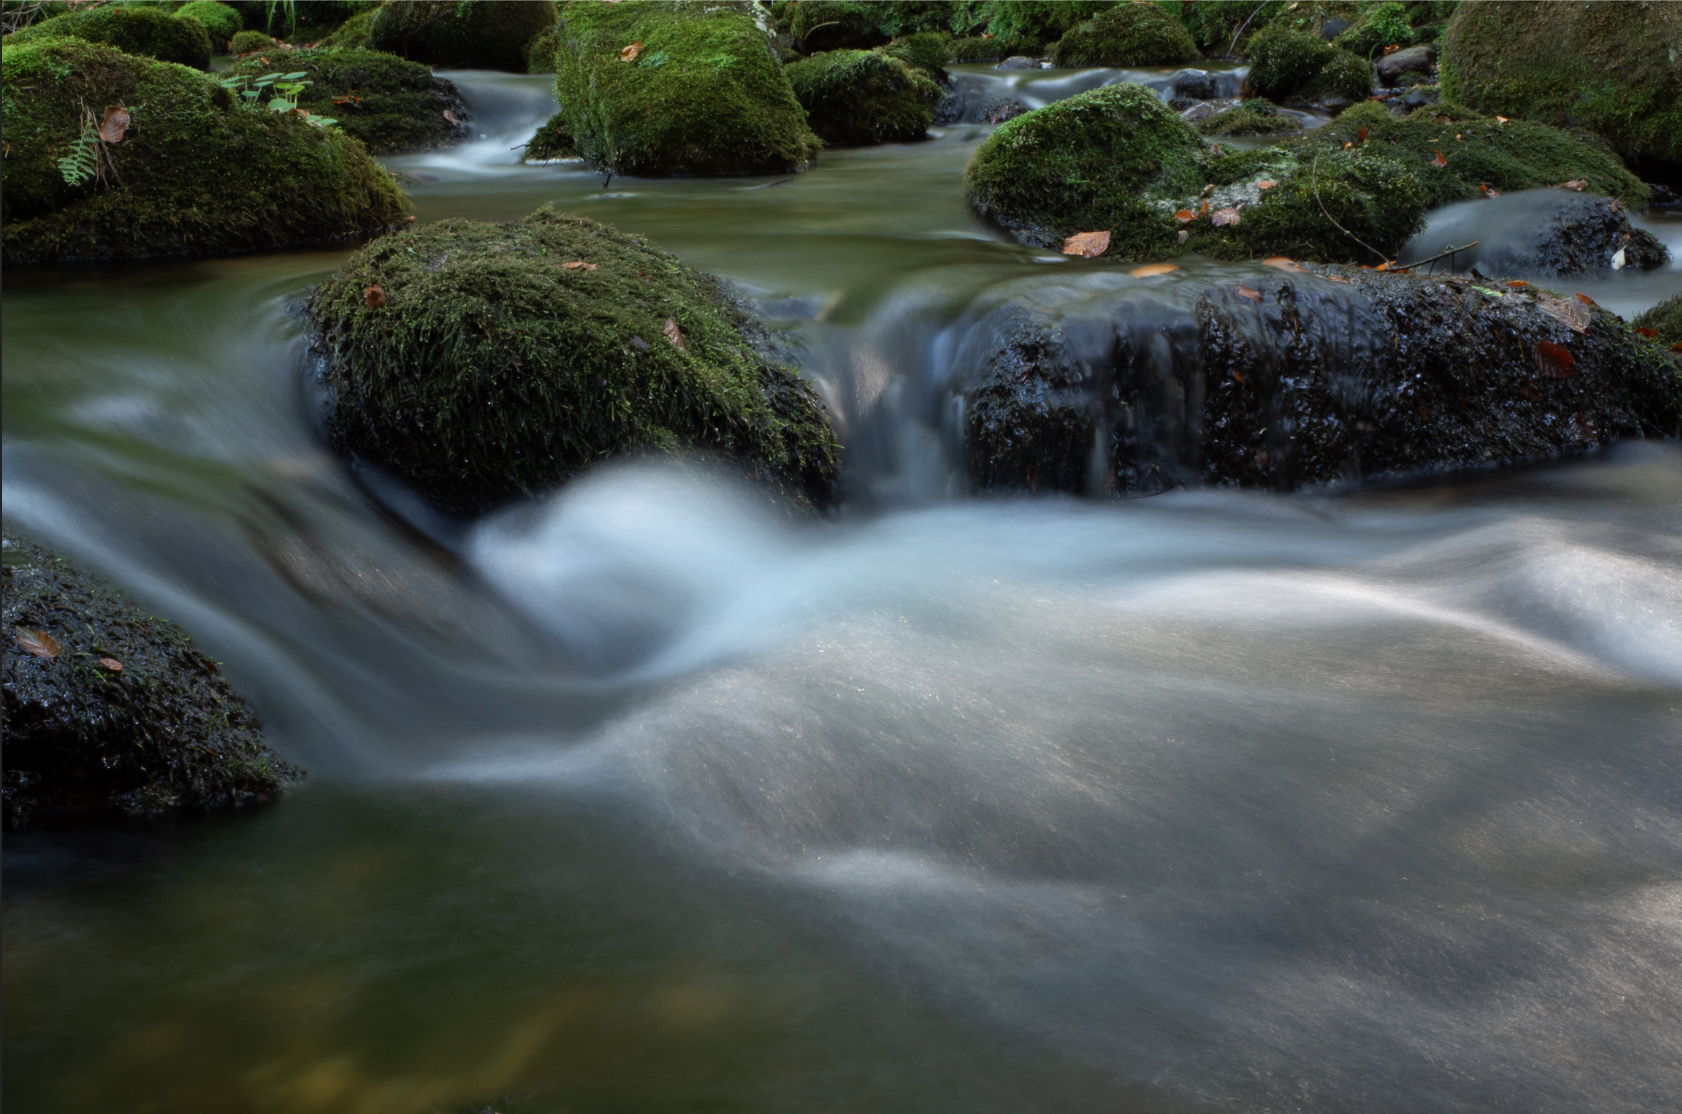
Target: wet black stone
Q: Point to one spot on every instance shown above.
(1195, 85)
(1000, 109)
(1392, 68)
(166, 732)
(1017, 62)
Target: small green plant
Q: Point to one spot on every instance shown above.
(285, 88)
(82, 162)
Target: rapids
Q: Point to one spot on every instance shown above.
(636, 798)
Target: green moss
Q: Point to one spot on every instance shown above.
(163, 732)
(1479, 150)
(483, 34)
(220, 22)
(859, 97)
(306, 21)
(1084, 164)
(928, 51)
(975, 48)
(1610, 68)
(1252, 117)
(552, 140)
(1665, 318)
(1345, 77)
(148, 32)
(1126, 35)
(491, 370)
(1379, 26)
(540, 52)
(352, 33)
(391, 105)
(195, 175)
(705, 96)
(1215, 25)
(250, 42)
(860, 24)
(1284, 62)
(1038, 21)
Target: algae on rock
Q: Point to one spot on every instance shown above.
(854, 98)
(195, 173)
(1126, 35)
(505, 359)
(485, 34)
(147, 32)
(390, 104)
(119, 712)
(705, 94)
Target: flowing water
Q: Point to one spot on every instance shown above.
(634, 799)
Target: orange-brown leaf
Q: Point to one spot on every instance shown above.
(674, 335)
(112, 664)
(1585, 299)
(1087, 245)
(1391, 49)
(1266, 184)
(629, 54)
(116, 122)
(37, 642)
(1284, 263)
(1249, 292)
(1489, 191)
(1221, 218)
(579, 265)
(1362, 135)
(1677, 347)
(1151, 269)
(449, 114)
(1501, 119)
(1184, 215)
(1577, 184)
(1650, 334)
(1346, 146)
(1438, 160)
(1553, 360)
(374, 297)
(1517, 284)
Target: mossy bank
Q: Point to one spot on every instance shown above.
(149, 32)
(479, 362)
(192, 173)
(111, 710)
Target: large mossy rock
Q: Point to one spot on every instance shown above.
(352, 33)
(390, 104)
(484, 34)
(115, 710)
(1286, 378)
(855, 98)
(147, 32)
(1665, 320)
(861, 24)
(1086, 163)
(705, 94)
(1612, 68)
(194, 173)
(1299, 67)
(479, 362)
(1253, 117)
(219, 21)
(1126, 35)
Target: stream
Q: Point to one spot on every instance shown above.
(635, 798)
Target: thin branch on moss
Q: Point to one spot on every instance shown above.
(1315, 174)
(1241, 27)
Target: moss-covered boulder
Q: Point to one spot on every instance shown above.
(1282, 379)
(1665, 321)
(704, 94)
(1126, 35)
(352, 33)
(819, 25)
(1614, 69)
(148, 32)
(1253, 117)
(552, 140)
(478, 362)
(251, 42)
(193, 173)
(1087, 163)
(390, 104)
(1298, 67)
(854, 98)
(928, 51)
(219, 21)
(109, 709)
(1379, 26)
(540, 52)
(484, 34)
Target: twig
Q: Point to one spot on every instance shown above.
(1315, 172)
(1439, 255)
(1241, 27)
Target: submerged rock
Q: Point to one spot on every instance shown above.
(1540, 232)
(705, 93)
(550, 344)
(1126, 35)
(855, 98)
(486, 34)
(1298, 67)
(1293, 377)
(109, 709)
(149, 32)
(1610, 68)
(390, 104)
(1000, 109)
(1196, 85)
(192, 173)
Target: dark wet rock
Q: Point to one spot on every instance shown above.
(1285, 379)
(1544, 232)
(1665, 319)
(952, 105)
(1392, 68)
(551, 344)
(1018, 62)
(856, 98)
(1197, 85)
(1332, 28)
(1000, 109)
(487, 34)
(1421, 96)
(163, 732)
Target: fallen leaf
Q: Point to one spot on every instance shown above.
(1361, 135)
(1384, 266)
(1346, 146)
(374, 297)
(1439, 160)
(1501, 119)
(1339, 278)
(1391, 49)
(674, 335)
(579, 265)
(1489, 191)
(1221, 218)
(1150, 270)
(116, 122)
(1677, 347)
(1573, 315)
(629, 54)
(1087, 245)
(1284, 263)
(1517, 284)
(112, 664)
(448, 115)
(1459, 137)
(1553, 360)
(1249, 292)
(1648, 333)
(1266, 184)
(1585, 299)
(1203, 208)
(1184, 215)
(37, 642)
(1577, 184)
